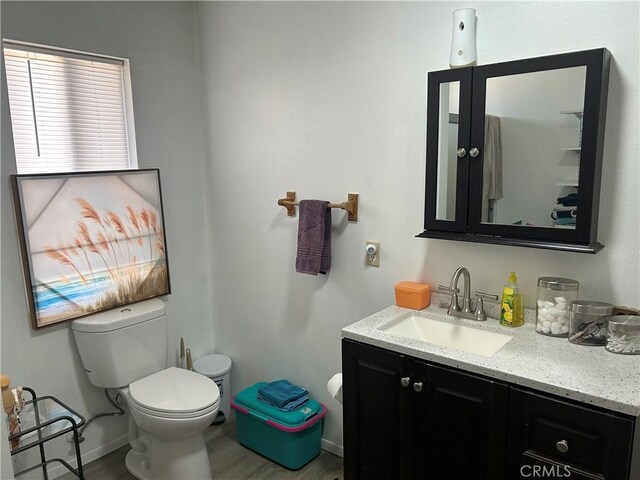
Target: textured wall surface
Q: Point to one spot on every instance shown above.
(159, 40)
(328, 98)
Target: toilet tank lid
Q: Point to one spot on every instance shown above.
(120, 317)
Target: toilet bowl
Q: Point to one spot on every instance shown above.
(173, 403)
(169, 407)
(172, 408)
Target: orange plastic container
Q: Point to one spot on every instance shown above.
(413, 295)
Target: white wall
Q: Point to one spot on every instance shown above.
(327, 98)
(159, 40)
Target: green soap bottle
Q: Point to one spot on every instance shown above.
(511, 312)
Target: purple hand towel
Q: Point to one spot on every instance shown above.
(314, 237)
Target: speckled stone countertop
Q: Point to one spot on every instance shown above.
(590, 375)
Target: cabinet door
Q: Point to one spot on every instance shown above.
(374, 413)
(590, 443)
(448, 130)
(537, 127)
(459, 425)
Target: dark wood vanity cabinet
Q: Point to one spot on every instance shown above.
(375, 434)
(447, 424)
(408, 419)
(514, 151)
(573, 441)
(458, 419)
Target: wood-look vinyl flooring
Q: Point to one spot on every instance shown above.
(229, 461)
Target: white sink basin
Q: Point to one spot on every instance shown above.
(459, 337)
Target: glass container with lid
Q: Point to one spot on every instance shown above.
(588, 322)
(623, 334)
(555, 294)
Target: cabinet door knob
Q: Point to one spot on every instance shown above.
(404, 381)
(562, 446)
(474, 152)
(417, 386)
(461, 152)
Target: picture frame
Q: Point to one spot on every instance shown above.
(90, 241)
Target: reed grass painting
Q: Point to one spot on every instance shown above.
(90, 241)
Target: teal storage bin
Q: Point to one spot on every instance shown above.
(291, 439)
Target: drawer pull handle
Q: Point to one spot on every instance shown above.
(404, 381)
(417, 387)
(562, 446)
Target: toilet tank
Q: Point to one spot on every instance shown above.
(123, 345)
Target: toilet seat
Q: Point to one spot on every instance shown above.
(176, 415)
(175, 393)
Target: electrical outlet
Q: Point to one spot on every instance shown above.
(372, 253)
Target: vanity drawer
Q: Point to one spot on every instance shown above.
(590, 441)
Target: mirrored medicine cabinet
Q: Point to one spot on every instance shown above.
(514, 152)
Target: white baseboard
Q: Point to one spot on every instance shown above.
(332, 447)
(59, 470)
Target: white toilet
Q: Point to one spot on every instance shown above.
(126, 348)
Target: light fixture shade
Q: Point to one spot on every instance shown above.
(463, 41)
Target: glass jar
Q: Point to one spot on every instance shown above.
(623, 334)
(588, 322)
(555, 294)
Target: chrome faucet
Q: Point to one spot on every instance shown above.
(466, 294)
(466, 311)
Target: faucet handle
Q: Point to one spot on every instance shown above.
(453, 306)
(481, 315)
(449, 290)
(488, 296)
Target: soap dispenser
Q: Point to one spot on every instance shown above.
(512, 313)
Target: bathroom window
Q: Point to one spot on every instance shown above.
(70, 111)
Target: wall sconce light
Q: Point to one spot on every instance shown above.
(463, 41)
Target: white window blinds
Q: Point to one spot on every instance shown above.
(68, 110)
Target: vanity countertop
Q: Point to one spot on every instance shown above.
(590, 375)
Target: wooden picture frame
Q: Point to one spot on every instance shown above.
(90, 241)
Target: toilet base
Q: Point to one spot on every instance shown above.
(135, 463)
(184, 459)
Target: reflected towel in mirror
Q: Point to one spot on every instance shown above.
(492, 165)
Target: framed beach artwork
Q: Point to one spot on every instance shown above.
(90, 241)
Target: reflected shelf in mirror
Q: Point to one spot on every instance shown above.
(578, 112)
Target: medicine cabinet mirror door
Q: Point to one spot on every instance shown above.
(448, 133)
(536, 124)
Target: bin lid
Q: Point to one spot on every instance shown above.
(248, 399)
(213, 365)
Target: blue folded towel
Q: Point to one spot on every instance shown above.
(570, 200)
(566, 221)
(292, 405)
(283, 395)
